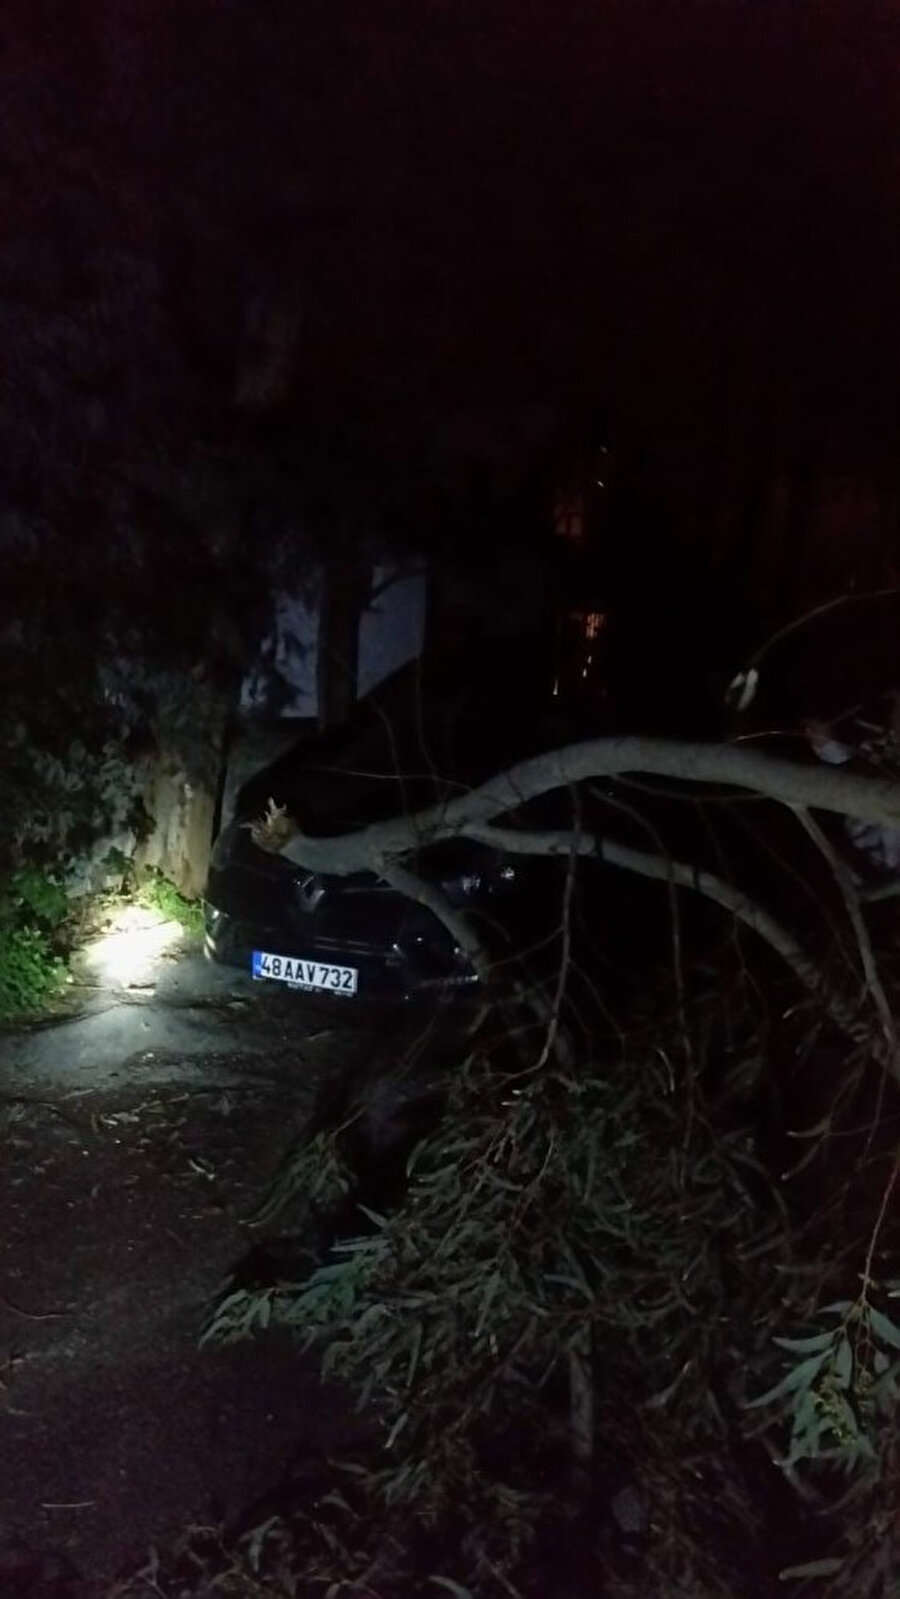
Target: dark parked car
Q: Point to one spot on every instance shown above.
(343, 935)
(355, 936)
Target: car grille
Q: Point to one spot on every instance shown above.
(346, 950)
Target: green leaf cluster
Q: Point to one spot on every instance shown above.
(846, 1380)
(556, 1222)
(839, 1404)
(30, 973)
(38, 895)
(33, 904)
(157, 893)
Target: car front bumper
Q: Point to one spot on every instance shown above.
(388, 969)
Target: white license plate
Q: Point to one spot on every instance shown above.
(302, 973)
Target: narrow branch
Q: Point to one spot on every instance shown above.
(456, 922)
(662, 868)
(565, 954)
(581, 1405)
(766, 926)
(838, 602)
(849, 895)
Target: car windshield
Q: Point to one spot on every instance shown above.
(399, 757)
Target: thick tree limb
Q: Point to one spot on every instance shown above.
(382, 847)
(818, 787)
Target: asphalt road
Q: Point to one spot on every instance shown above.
(139, 1134)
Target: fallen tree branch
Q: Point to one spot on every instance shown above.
(793, 783)
(837, 1006)
(662, 868)
(381, 847)
(458, 925)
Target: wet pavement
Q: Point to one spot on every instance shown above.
(138, 1135)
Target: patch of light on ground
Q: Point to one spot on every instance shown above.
(129, 953)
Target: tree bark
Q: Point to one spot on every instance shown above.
(382, 847)
(813, 787)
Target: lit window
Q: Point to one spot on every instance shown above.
(568, 516)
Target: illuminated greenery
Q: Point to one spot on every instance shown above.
(158, 894)
(32, 907)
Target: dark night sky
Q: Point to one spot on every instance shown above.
(678, 209)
